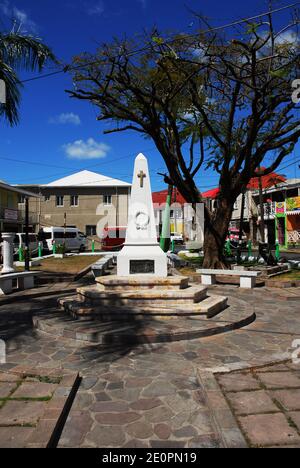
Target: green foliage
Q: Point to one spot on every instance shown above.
(253, 27)
(61, 249)
(19, 51)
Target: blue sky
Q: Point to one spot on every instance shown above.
(61, 132)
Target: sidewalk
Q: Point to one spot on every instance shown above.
(156, 395)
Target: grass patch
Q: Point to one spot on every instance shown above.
(198, 261)
(47, 398)
(293, 275)
(71, 265)
(45, 379)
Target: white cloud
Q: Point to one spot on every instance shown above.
(97, 9)
(66, 118)
(288, 37)
(88, 149)
(14, 13)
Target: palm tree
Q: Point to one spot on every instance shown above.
(19, 51)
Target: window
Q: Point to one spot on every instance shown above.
(47, 198)
(59, 200)
(74, 200)
(22, 199)
(236, 206)
(91, 230)
(107, 200)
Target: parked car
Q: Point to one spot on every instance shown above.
(177, 238)
(72, 238)
(20, 242)
(234, 236)
(113, 238)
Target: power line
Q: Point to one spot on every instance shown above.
(67, 68)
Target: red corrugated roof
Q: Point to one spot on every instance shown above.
(211, 193)
(161, 197)
(267, 182)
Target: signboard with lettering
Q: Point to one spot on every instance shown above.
(11, 215)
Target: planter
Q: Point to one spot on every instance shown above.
(194, 245)
(32, 263)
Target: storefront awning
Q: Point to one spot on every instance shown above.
(293, 213)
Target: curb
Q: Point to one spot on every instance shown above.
(111, 338)
(229, 433)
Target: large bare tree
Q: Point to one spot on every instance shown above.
(231, 98)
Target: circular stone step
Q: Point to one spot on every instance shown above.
(145, 330)
(209, 306)
(117, 283)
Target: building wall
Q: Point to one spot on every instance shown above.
(8, 200)
(90, 211)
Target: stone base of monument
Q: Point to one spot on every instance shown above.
(117, 327)
(141, 260)
(122, 298)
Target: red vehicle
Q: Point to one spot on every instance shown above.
(234, 235)
(113, 238)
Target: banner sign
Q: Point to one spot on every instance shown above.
(293, 204)
(280, 208)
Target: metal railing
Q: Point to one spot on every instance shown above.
(294, 237)
(269, 209)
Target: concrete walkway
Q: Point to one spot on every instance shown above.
(154, 395)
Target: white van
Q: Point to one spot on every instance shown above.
(71, 237)
(19, 242)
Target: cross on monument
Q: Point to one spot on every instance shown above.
(142, 176)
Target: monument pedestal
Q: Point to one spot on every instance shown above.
(141, 254)
(142, 260)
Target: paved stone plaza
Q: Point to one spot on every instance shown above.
(171, 394)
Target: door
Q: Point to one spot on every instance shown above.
(281, 230)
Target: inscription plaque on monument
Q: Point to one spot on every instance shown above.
(142, 267)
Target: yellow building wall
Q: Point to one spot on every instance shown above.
(8, 199)
(178, 228)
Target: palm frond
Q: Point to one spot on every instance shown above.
(24, 52)
(18, 51)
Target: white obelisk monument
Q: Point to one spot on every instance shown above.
(141, 254)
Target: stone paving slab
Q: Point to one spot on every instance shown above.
(185, 411)
(267, 417)
(6, 388)
(268, 430)
(288, 398)
(15, 437)
(30, 414)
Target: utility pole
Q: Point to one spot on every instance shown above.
(239, 250)
(262, 214)
(65, 228)
(27, 252)
(165, 234)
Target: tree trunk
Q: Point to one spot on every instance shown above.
(216, 230)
